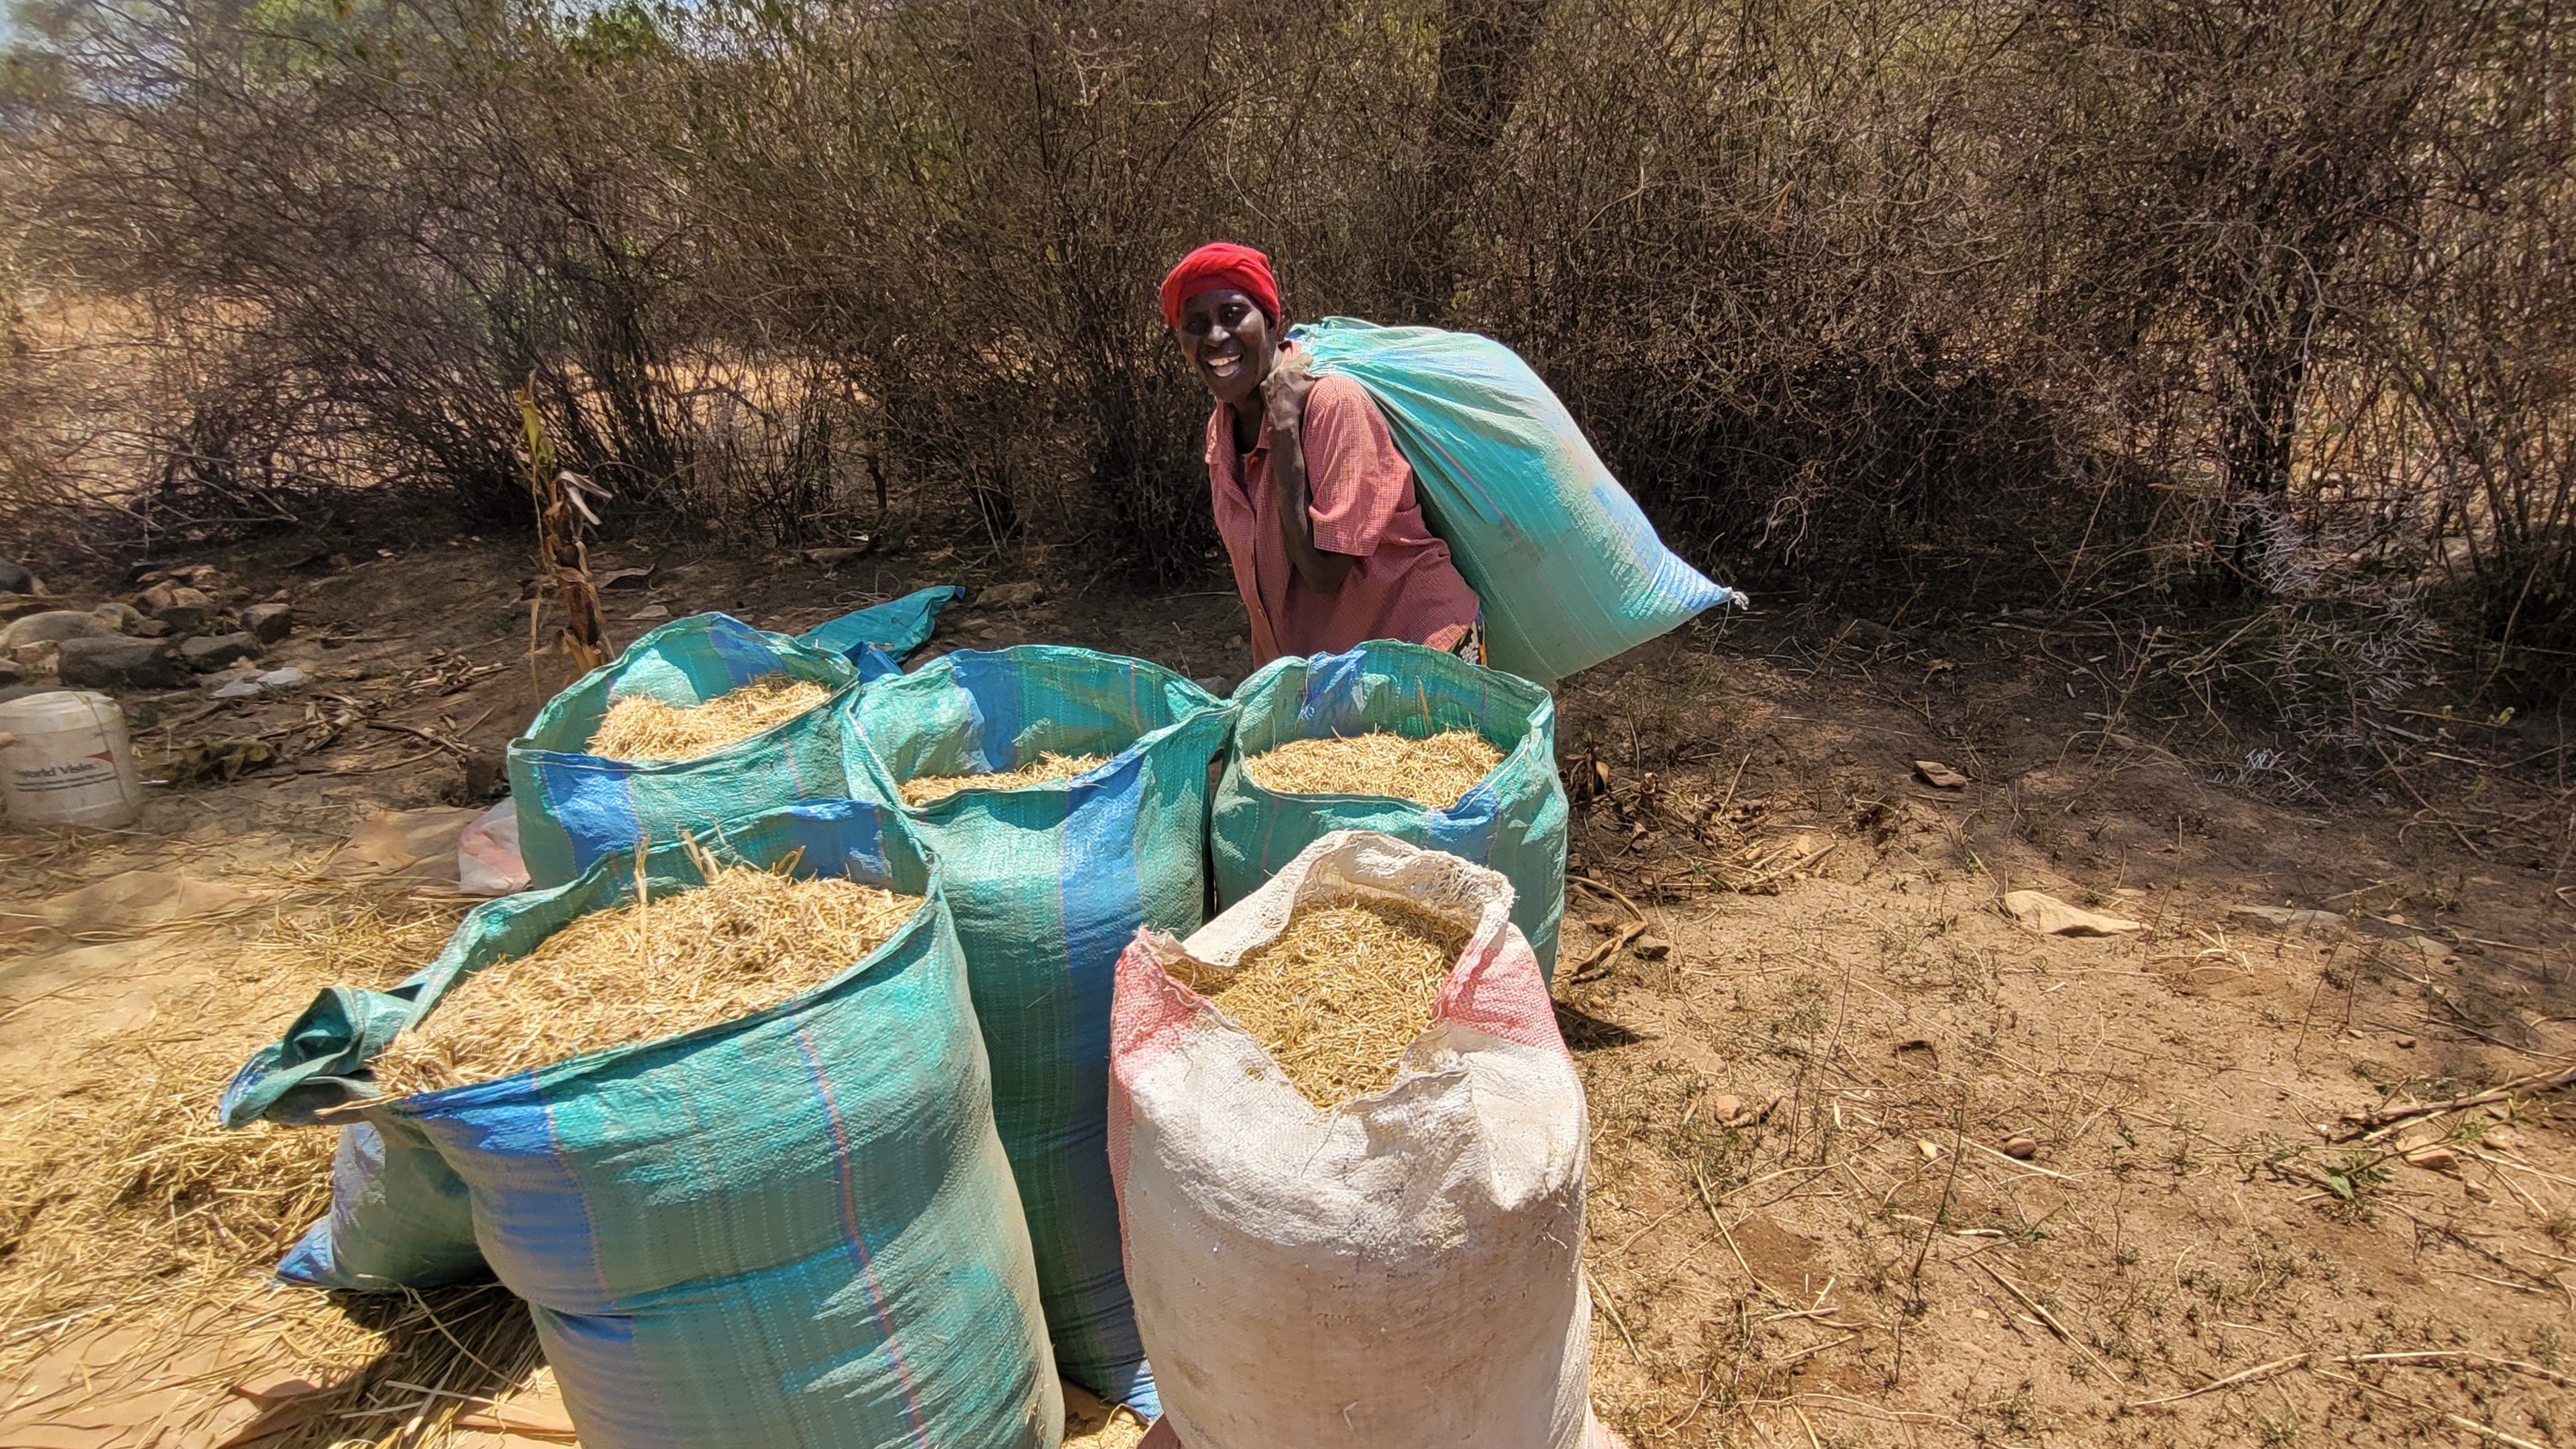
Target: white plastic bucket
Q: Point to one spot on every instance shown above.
(65, 760)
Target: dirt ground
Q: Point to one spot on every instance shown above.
(1873, 1163)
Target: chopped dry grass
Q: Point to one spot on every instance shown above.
(1091, 1424)
(1437, 772)
(136, 1232)
(639, 727)
(746, 940)
(1050, 767)
(1340, 994)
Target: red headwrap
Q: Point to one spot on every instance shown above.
(1221, 264)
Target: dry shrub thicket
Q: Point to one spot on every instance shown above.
(2251, 315)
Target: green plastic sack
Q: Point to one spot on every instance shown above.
(1049, 884)
(576, 808)
(1513, 821)
(1569, 570)
(795, 1228)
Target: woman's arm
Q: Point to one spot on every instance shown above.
(1284, 407)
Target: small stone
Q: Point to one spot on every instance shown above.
(174, 602)
(1010, 596)
(2049, 916)
(1931, 1150)
(2406, 1043)
(15, 580)
(2504, 1137)
(240, 689)
(117, 662)
(2021, 1148)
(214, 651)
(648, 612)
(1652, 948)
(1725, 1107)
(53, 626)
(268, 623)
(2435, 1159)
(1940, 776)
(150, 629)
(288, 678)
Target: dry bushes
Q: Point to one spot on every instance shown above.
(1922, 309)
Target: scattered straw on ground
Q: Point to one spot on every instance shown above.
(1049, 768)
(1091, 1424)
(746, 940)
(1437, 772)
(639, 727)
(1339, 995)
(137, 1233)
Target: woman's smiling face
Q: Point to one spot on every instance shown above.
(1228, 343)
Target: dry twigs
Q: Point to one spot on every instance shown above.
(2358, 1123)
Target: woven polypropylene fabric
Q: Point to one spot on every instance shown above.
(575, 807)
(1404, 1270)
(1048, 884)
(796, 1228)
(1568, 568)
(1513, 821)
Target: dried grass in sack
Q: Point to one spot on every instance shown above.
(1437, 771)
(640, 727)
(746, 940)
(1339, 995)
(1048, 768)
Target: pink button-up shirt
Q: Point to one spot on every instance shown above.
(1361, 502)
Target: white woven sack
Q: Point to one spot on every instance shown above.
(1403, 1273)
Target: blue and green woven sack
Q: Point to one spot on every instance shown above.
(575, 807)
(1049, 884)
(1513, 820)
(1569, 570)
(795, 1228)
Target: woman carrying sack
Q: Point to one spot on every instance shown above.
(1317, 506)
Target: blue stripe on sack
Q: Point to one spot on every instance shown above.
(592, 1350)
(528, 1204)
(594, 803)
(857, 1237)
(991, 684)
(1102, 899)
(746, 655)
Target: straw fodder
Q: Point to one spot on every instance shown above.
(136, 1232)
(745, 940)
(1092, 1424)
(1049, 768)
(1340, 993)
(639, 727)
(1437, 771)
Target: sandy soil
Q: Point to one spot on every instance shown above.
(1808, 1069)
